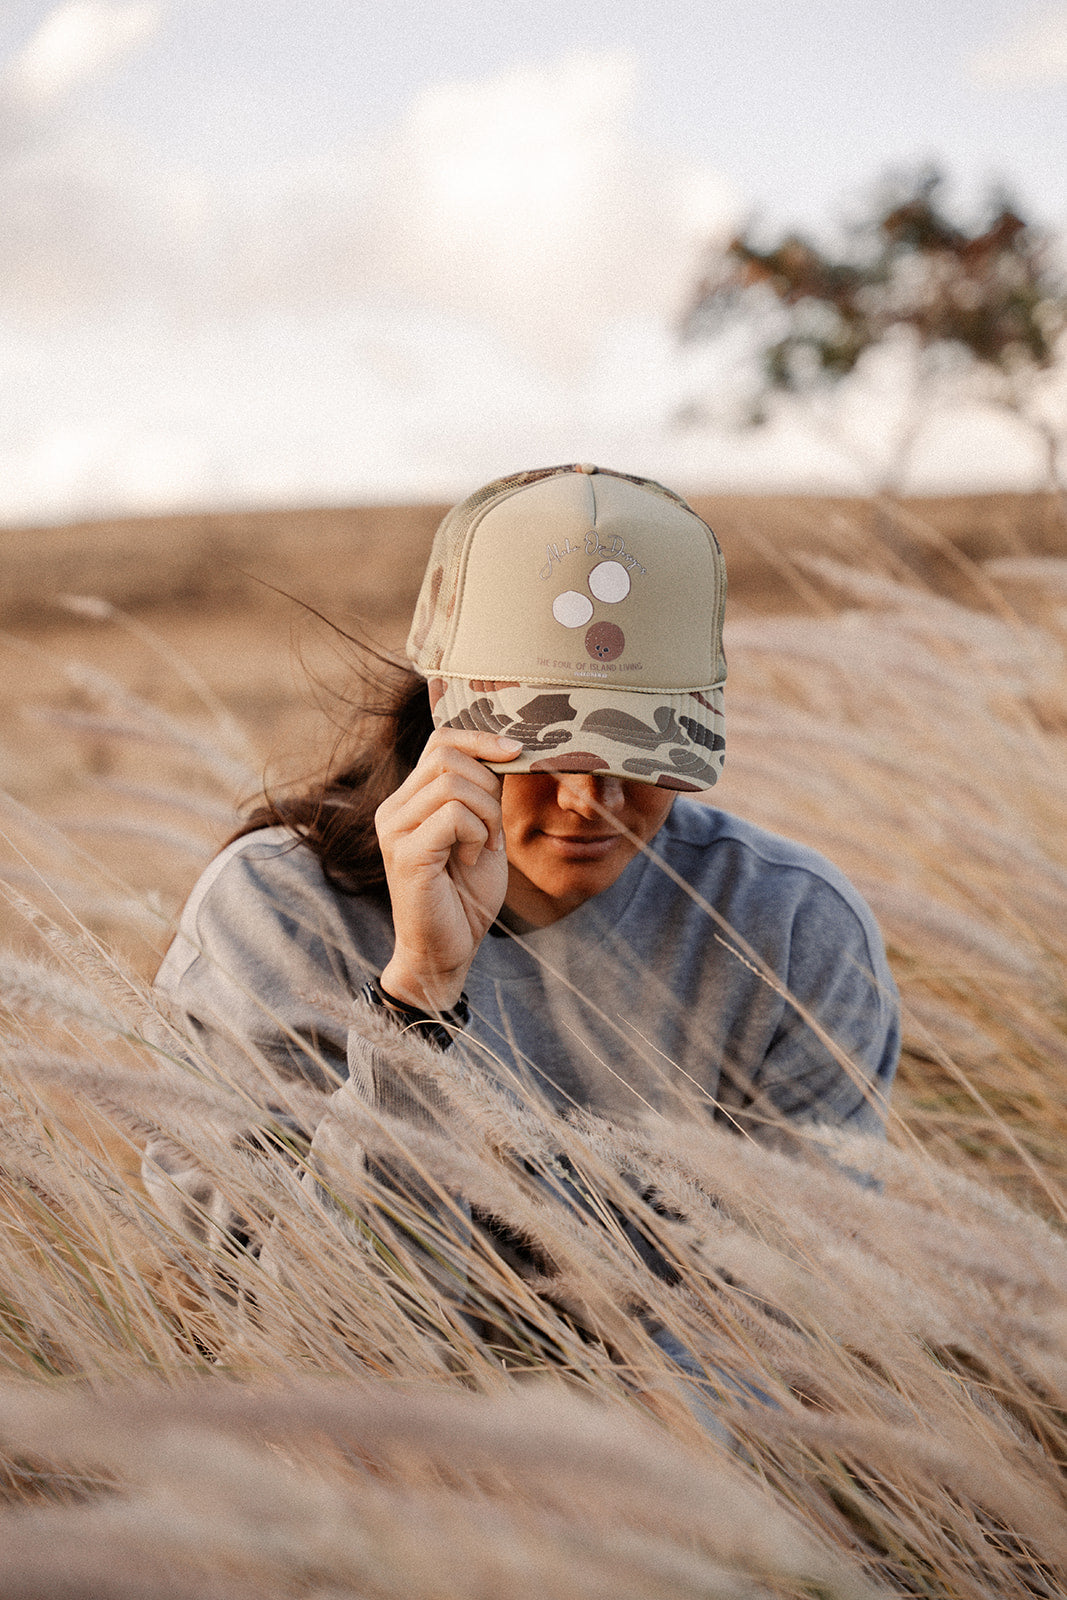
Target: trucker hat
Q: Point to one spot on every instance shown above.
(580, 611)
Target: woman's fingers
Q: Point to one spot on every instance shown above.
(462, 752)
(442, 842)
(483, 746)
(449, 781)
(450, 803)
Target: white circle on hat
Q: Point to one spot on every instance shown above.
(572, 609)
(609, 581)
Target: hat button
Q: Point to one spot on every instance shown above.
(585, 467)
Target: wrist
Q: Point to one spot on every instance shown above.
(414, 992)
(439, 1026)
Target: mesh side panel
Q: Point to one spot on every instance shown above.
(433, 613)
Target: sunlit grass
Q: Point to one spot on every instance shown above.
(378, 1402)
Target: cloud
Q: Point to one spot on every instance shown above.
(85, 230)
(77, 43)
(527, 201)
(523, 202)
(1032, 55)
(463, 295)
(490, 284)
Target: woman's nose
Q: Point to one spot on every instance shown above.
(589, 794)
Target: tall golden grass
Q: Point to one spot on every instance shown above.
(380, 1403)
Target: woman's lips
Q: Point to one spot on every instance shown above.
(582, 846)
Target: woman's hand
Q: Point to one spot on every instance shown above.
(442, 841)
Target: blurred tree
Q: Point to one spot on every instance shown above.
(981, 314)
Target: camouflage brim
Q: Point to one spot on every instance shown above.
(672, 740)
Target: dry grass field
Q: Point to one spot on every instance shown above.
(879, 1405)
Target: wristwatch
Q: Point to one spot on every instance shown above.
(439, 1028)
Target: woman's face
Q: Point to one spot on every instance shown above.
(563, 837)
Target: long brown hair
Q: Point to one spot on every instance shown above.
(333, 815)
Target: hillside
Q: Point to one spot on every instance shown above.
(212, 621)
(367, 560)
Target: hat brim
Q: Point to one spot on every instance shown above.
(673, 740)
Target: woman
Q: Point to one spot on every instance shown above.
(511, 860)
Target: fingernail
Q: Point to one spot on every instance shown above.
(507, 743)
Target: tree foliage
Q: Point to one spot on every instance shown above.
(987, 299)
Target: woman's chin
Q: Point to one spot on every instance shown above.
(555, 877)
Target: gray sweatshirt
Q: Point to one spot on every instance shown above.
(730, 969)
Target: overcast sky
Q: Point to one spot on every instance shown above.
(260, 251)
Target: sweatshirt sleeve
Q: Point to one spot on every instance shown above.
(263, 959)
(833, 1054)
(259, 977)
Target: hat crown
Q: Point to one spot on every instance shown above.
(571, 576)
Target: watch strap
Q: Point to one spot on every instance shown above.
(439, 1028)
